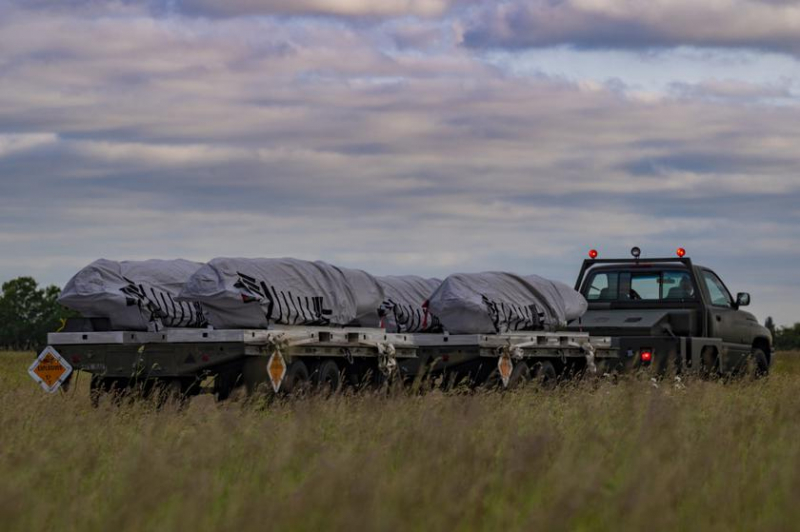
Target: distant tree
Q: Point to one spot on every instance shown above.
(28, 313)
(770, 325)
(788, 338)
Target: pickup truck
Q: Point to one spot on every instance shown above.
(672, 314)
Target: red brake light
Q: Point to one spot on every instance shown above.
(681, 252)
(593, 253)
(647, 356)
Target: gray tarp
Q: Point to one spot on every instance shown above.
(497, 302)
(254, 293)
(403, 308)
(134, 295)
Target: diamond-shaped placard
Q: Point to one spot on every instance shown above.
(50, 369)
(505, 367)
(276, 368)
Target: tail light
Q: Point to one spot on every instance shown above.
(646, 355)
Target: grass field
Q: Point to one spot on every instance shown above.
(592, 456)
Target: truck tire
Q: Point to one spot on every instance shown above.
(757, 365)
(545, 375)
(327, 379)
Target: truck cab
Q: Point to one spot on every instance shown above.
(671, 313)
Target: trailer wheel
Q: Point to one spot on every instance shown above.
(111, 387)
(520, 376)
(172, 393)
(297, 378)
(545, 375)
(327, 378)
(98, 387)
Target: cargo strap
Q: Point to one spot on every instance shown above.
(279, 343)
(514, 351)
(387, 363)
(589, 351)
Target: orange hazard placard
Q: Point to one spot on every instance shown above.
(276, 367)
(505, 366)
(50, 369)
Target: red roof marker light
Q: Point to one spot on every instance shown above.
(681, 252)
(593, 253)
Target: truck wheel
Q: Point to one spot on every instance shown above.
(545, 375)
(757, 365)
(297, 378)
(327, 378)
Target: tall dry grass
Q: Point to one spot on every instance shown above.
(590, 456)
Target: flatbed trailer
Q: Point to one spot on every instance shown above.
(283, 357)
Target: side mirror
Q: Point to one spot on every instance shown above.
(742, 299)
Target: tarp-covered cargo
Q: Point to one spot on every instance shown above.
(403, 310)
(254, 293)
(498, 302)
(134, 295)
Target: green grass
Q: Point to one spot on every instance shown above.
(589, 456)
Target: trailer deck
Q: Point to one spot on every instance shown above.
(250, 355)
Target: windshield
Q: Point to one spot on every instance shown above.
(666, 285)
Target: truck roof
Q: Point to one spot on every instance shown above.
(594, 264)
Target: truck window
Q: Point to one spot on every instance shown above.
(668, 285)
(645, 286)
(603, 287)
(677, 285)
(720, 297)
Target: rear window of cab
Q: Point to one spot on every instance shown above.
(664, 285)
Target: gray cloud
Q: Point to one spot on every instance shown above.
(343, 8)
(631, 24)
(375, 9)
(179, 136)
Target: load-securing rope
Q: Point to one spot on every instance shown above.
(387, 363)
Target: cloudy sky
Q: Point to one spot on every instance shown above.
(404, 136)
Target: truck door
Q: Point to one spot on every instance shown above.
(722, 320)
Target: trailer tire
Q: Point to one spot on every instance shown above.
(520, 376)
(297, 378)
(545, 375)
(169, 393)
(327, 379)
(113, 388)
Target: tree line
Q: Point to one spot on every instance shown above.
(784, 338)
(28, 313)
